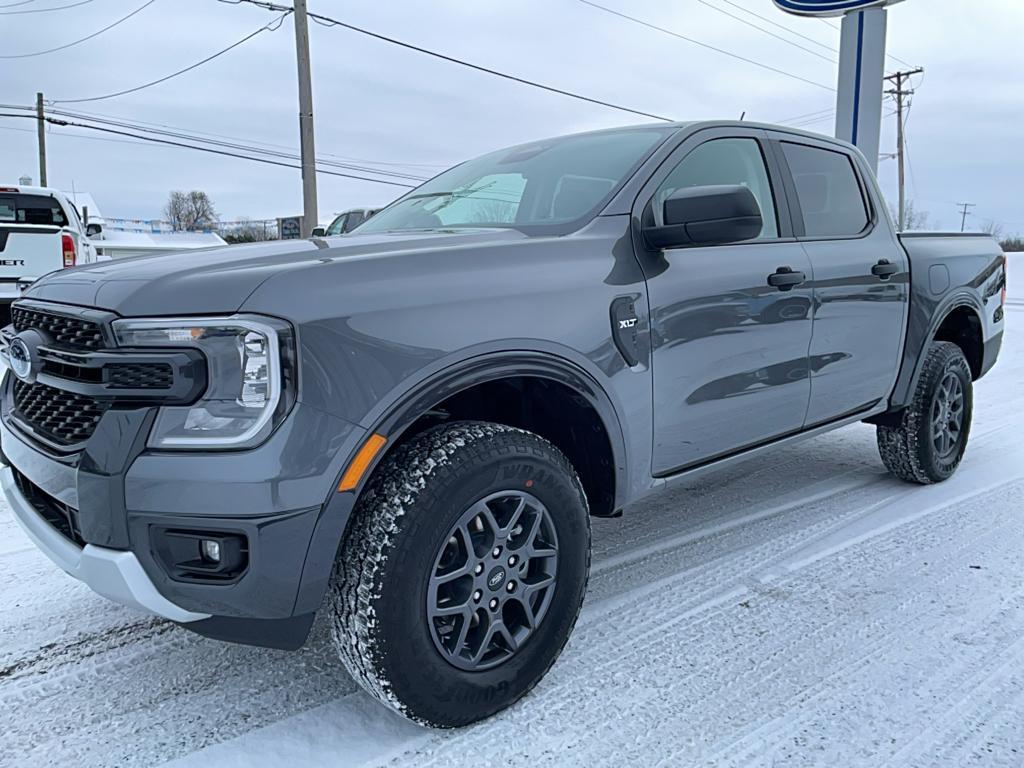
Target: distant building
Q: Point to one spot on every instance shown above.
(136, 237)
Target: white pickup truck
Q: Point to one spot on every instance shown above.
(41, 231)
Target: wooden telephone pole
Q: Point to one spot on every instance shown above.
(309, 203)
(41, 119)
(899, 93)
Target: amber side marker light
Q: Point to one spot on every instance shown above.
(361, 462)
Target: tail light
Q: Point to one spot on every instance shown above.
(67, 244)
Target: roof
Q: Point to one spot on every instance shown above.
(113, 239)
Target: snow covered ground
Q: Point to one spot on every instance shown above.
(802, 609)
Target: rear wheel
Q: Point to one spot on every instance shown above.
(462, 573)
(928, 443)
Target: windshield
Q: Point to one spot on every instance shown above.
(545, 183)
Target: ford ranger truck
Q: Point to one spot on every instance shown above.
(408, 428)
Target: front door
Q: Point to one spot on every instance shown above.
(729, 349)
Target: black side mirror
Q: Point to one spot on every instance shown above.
(91, 230)
(710, 215)
(319, 232)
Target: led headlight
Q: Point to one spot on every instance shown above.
(249, 361)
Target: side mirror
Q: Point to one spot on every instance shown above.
(710, 215)
(319, 232)
(91, 230)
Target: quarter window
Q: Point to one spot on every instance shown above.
(827, 188)
(724, 161)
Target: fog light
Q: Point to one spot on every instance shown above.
(210, 550)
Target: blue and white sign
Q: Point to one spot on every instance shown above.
(828, 7)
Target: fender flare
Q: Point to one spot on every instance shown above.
(906, 385)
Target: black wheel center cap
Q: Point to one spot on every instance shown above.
(496, 578)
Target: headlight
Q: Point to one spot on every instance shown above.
(249, 363)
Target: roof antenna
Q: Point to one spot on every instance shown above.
(743, 114)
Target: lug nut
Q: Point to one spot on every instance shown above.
(496, 552)
(479, 569)
(512, 561)
(477, 595)
(494, 604)
(511, 586)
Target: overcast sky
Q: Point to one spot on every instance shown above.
(383, 104)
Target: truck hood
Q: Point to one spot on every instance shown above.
(218, 281)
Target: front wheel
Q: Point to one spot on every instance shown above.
(462, 573)
(928, 443)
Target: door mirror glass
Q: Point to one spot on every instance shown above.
(319, 231)
(93, 229)
(706, 215)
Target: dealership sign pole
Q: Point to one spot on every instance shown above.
(861, 66)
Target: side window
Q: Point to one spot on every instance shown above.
(337, 226)
(724, 161)
(827, 188)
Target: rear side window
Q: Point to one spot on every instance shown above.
(827, 188)
(32, 209)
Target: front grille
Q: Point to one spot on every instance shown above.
(139, 376)
(65, 330)
(63, 417)
(56, 513)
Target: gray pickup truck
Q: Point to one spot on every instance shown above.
(410, 426)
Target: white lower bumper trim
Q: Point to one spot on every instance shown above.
(116, 574)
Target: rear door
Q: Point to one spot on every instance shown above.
(861, 278)
(30, 235)
(729, 350)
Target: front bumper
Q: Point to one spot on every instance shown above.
(115, 574)
(278, 496)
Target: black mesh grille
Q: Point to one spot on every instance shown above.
(56, 513)
(139, 376)
(63, 329)
(63, 417)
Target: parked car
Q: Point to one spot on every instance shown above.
(409, 428)
(40, 231)
(345, 222)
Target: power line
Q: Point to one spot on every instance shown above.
(143, 124)
(272, 26)
(82, 40)
(328, 21)
(209, 150)
(40, 10)
(767, 31)
(233, 143)
(722, 51)
(781, 26)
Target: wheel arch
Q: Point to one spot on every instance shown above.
(401, 419)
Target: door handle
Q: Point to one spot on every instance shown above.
(784, 278)
(884, 269)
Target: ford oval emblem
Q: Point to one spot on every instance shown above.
(828, 7)
(21, 359)
(23, 355)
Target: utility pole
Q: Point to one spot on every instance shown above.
(309, 206)
(41, 119)
(899, 93)
(963, 218)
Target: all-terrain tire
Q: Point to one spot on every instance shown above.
(378, 595)
(908, 449)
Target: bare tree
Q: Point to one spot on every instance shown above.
(190, 211)
(914, 219)
(993, 228)
(249, 231)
